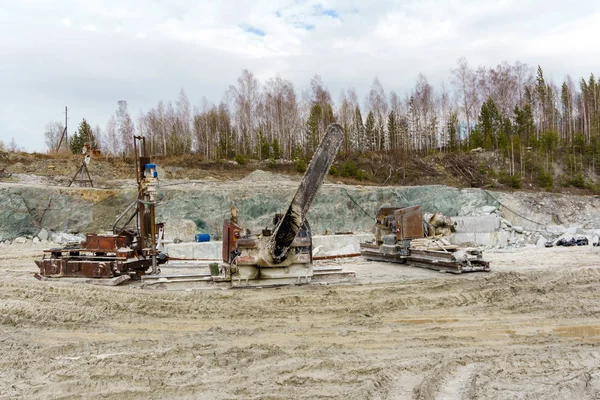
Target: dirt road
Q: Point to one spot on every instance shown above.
(528, 330)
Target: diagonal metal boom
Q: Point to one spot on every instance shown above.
(287, 229)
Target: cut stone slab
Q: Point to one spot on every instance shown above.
(325, 246)
(493, 239)
(478, 224)
(335, 245)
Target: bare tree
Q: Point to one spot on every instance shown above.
(319, 94)
(246, 101)
(113, 144)
(183, 121)
(464, 80)
(12, 146)
(52, 135)
(280, 112)
(377, 104)
(125, 127)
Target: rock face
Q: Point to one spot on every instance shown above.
(201, 207)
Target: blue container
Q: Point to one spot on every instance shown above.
(202, 237)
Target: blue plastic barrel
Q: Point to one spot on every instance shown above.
(202, 237)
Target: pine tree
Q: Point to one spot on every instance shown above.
(312, 130)
(81, 137)
(453, 132)
(392, 127)
(358, 131)
(276, 151)
(371, 132)
(381, 136)
(264, 147)
(489, 123)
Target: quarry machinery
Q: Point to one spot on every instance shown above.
(281, 254)
(400, 238)
(127, 252)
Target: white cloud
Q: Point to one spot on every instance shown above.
(202, 45)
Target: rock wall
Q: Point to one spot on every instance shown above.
(201, 207)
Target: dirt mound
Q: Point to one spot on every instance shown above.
(260, 176)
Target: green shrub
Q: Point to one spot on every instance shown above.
(240, 159)
(272, 163)
(578, 181)
(515, 181)
(545, 179)
(504, 178)
(349, 169)
(333, 171)
(300, 165)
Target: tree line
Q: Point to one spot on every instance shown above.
(510, 108)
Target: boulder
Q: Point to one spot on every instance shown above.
(184, 229)
(64, 238)
(487, 210)
(518, 229)
(541, 242)
(43, 234)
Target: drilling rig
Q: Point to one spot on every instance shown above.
(283, 254)
(127, 252)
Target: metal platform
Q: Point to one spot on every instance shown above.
(430, 259)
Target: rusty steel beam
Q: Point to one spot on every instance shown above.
(350, 255)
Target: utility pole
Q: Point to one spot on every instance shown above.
(66, 130)
(65, 134)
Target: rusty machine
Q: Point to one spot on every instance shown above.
(281, 254)
(127, 252)
(400, 238)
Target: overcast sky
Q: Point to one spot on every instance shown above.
(87, 55)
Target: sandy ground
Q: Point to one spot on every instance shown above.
(527, 330)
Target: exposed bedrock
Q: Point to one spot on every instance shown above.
(202, 207)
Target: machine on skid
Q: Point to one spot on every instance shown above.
(281, 254)
(400, 238)
(127, 251)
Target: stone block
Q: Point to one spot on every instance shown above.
(479, 224)
(43, 234)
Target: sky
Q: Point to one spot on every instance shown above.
(88, 54)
